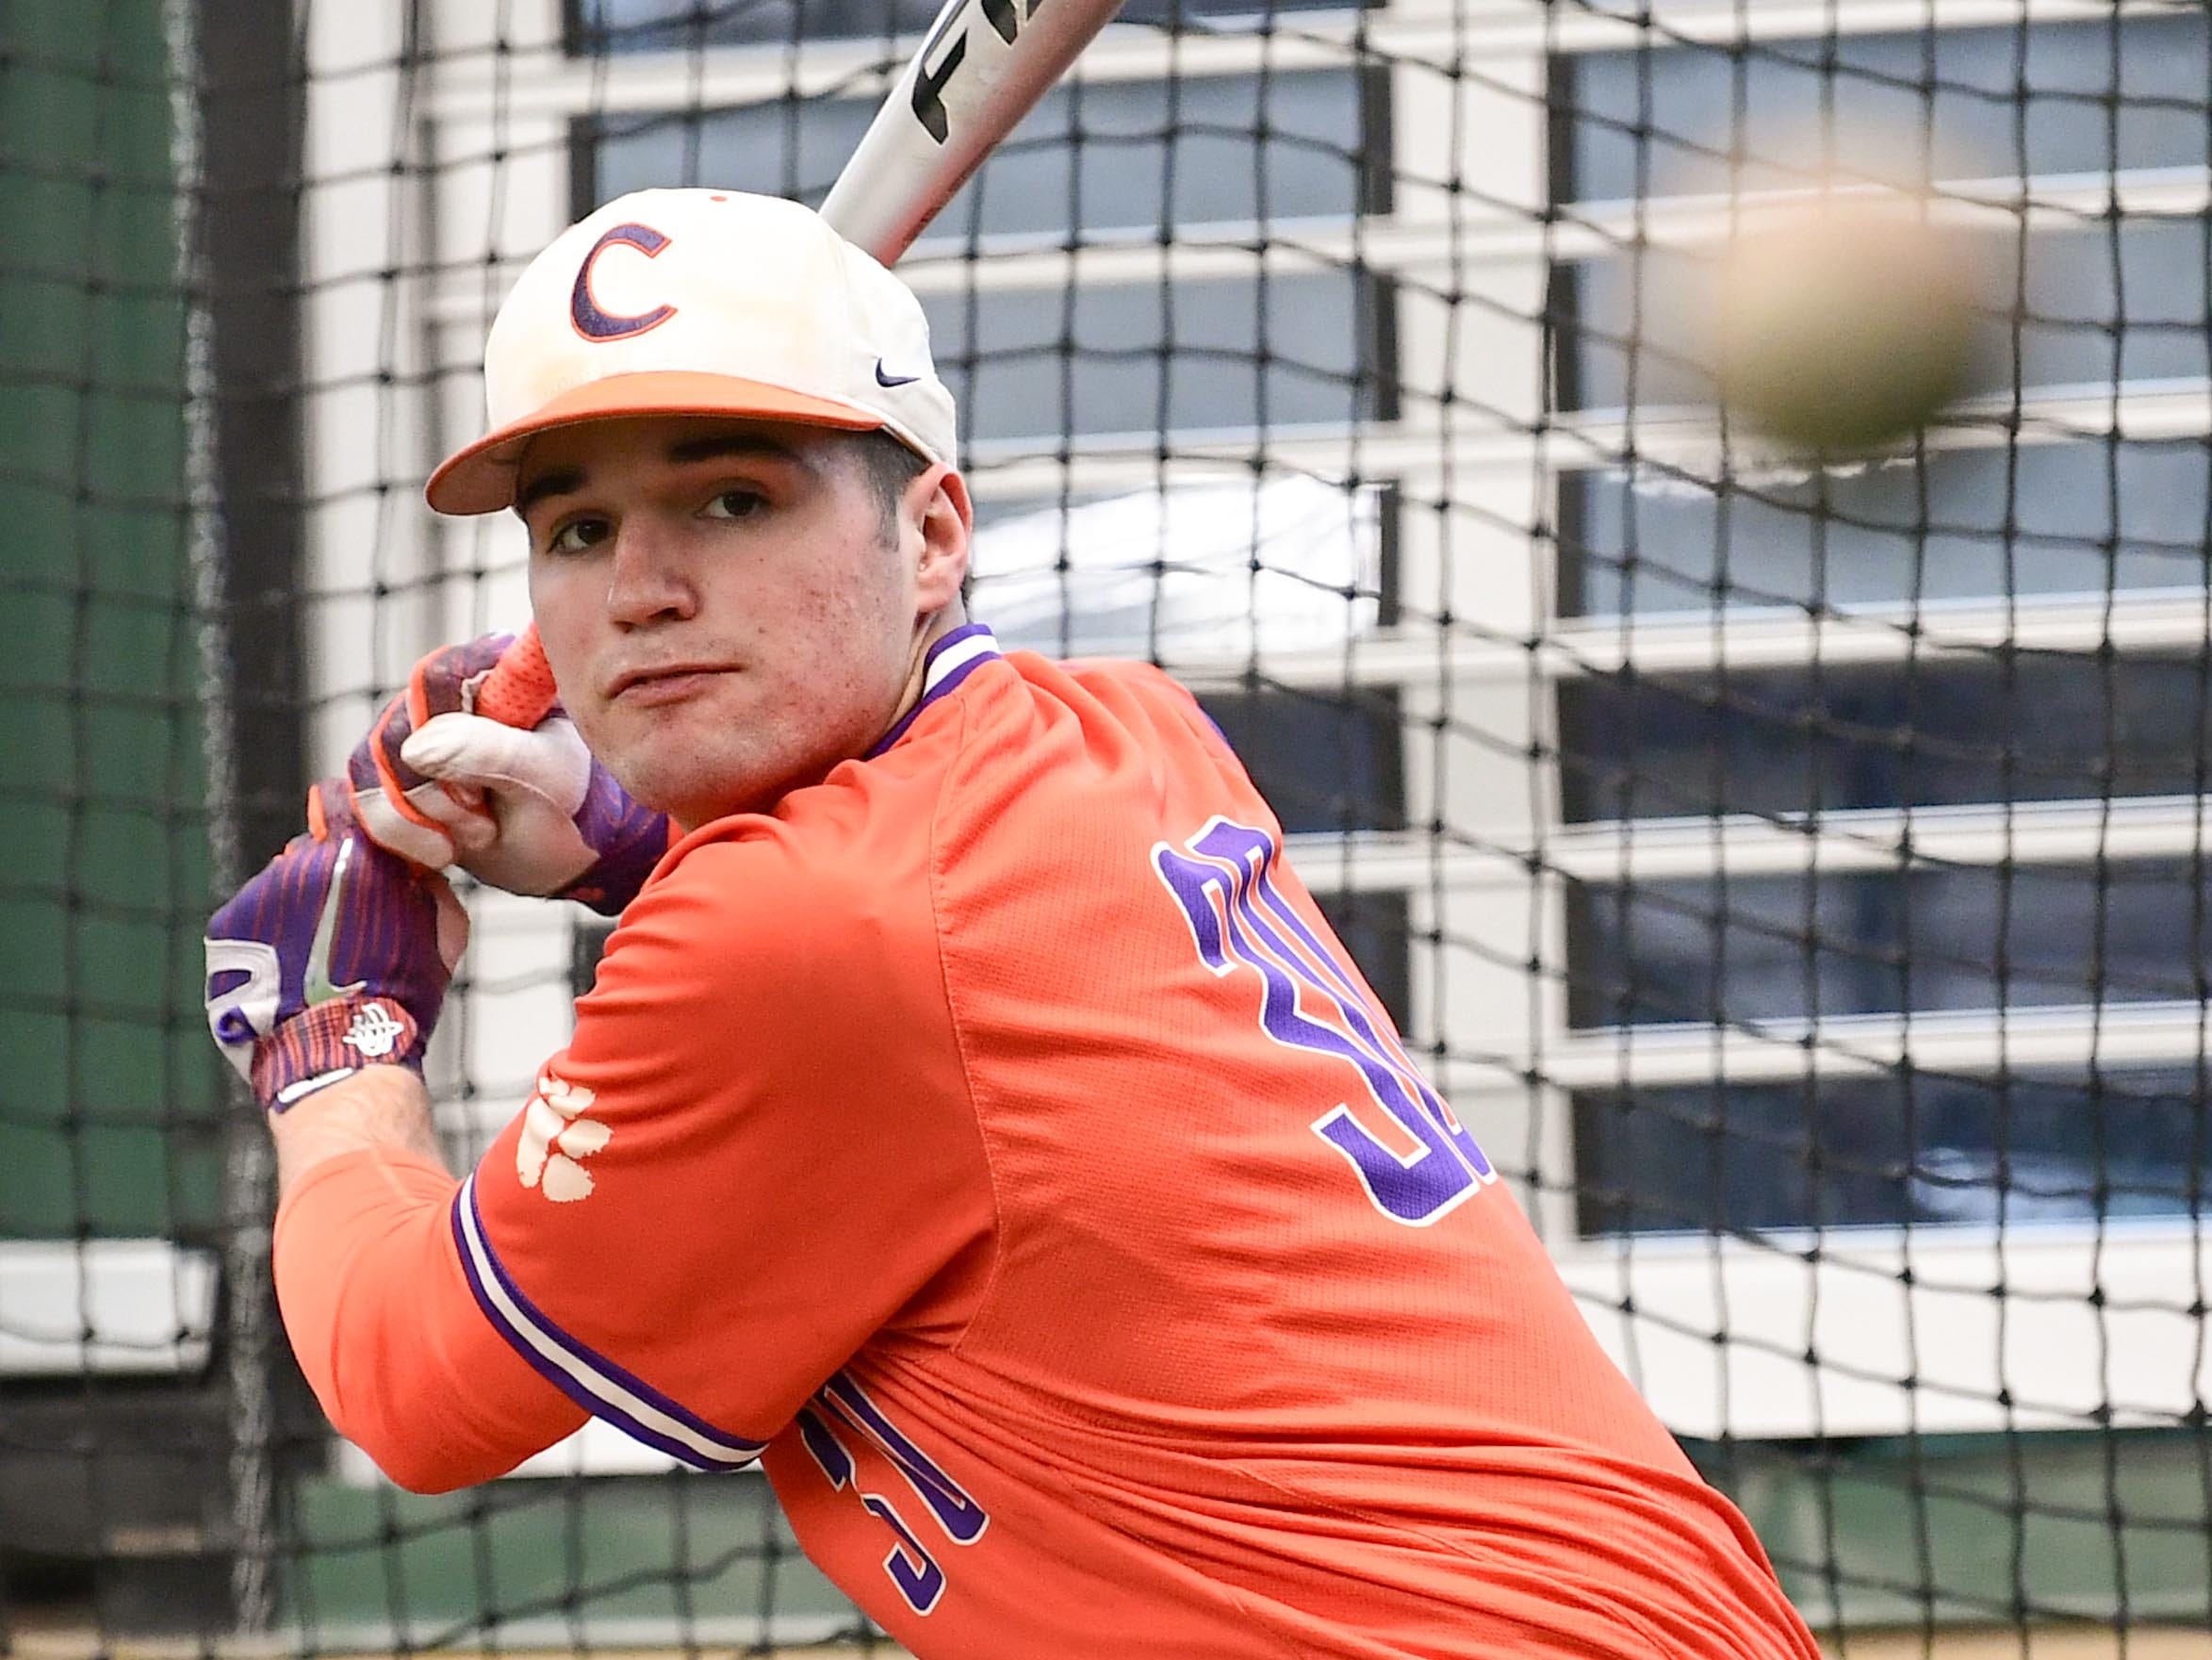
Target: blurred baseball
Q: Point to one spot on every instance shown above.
(1844, 328)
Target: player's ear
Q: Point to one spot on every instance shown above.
(937, 506)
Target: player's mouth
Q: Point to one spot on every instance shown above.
(640, 689)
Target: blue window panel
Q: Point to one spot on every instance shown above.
(2032, 727)
(2058, 518)
(1228, 354)
(1747, 949)
(2052, 99)
(1918, 1148)
(1325, 761)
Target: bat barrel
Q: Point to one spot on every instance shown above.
(983, 67)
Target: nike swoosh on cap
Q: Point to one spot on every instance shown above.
(893, 379)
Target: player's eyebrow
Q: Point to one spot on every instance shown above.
(723, 445)
(562, 480)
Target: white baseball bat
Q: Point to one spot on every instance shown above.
(983, 67)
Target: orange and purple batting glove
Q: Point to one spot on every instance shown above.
(524, 809)
(336, 957)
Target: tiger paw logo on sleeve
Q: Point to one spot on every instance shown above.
(556, 1137)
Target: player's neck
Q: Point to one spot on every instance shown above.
(954, 615)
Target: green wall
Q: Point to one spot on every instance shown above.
(106, 1086)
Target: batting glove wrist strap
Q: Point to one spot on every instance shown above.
(332, 1040)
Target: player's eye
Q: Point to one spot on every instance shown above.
(579, 535)
(735, 504)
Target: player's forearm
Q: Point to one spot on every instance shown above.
(346, 1235)
(373, 1296)
(379, 1106)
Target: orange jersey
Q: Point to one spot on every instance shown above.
(996, 1143)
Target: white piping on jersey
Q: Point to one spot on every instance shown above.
(678, 1432)
(957, 655)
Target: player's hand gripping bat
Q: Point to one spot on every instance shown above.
(982, 68)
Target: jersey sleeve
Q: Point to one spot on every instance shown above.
(378, 1310)
(757, 1152)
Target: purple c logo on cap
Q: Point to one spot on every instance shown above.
(583, 311)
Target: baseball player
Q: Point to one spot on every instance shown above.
(974, 1121)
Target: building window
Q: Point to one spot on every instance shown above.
(1855, 863)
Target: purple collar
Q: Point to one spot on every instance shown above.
(949, 663)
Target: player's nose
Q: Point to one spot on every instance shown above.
(648, 580)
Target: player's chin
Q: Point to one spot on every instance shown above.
(695, 777)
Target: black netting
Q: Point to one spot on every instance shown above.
(1793, 868)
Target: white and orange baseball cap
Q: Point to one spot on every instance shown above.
(700, 303)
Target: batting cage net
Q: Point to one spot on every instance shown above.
(1785, 845)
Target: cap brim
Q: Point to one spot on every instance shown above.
(480, 478)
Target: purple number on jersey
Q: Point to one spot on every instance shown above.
(911, 1569)
(1222, 880)
(961, 1518)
